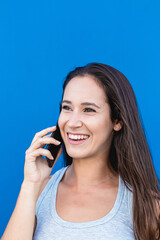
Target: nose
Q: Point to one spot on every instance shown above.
(74, 121)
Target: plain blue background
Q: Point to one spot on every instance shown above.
(41, 41)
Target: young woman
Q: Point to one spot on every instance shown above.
(109, 188)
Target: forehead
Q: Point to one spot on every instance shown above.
(84, 88)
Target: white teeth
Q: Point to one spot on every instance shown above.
(71, 136)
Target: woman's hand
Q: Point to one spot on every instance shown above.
(36, 168)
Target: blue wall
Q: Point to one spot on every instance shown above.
(40, 41)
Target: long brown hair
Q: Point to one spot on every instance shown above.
(129, 154)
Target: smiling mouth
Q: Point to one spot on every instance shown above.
(77, 137)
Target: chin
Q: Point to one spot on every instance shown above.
(76, 154)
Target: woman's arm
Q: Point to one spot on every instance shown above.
(22, 223)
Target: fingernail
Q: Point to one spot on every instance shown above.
(58, 142)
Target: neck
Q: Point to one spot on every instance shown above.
(89, 173)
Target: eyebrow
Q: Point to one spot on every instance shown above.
(84, 103)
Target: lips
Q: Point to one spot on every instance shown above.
(77, 138)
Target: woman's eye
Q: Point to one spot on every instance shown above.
(65, 107)
(89, 110)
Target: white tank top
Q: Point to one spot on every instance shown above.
(116, 225)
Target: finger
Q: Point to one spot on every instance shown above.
(43, 133)
(41, 142)
(48, 135)
(42, 152)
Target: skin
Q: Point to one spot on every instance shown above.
(89, 163)
(90, 159)
(74, 202)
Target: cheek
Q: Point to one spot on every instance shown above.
(62, 120)
(103, 127)
(102, 121)
(61, 123)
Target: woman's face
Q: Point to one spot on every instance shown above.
(84, 121)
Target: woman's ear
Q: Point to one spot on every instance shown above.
(117, 125)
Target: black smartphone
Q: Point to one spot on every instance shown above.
(54, 149)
